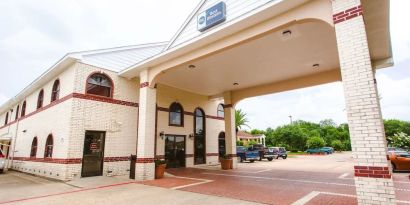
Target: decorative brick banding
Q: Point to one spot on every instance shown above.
(50, 160)
(144, 160)
(189, 155)
(212, 154)
(231, 155)
(163, 109)
(348, 14)
(78, 96)
(144, 84)
(373, 172)
(68, 161)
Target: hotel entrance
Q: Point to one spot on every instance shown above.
(175, 151)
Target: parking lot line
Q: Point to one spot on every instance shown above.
(306, 198)
(202, 181)
(343, 176)
(280, 179)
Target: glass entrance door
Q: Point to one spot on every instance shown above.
(175, 151)
(93, 155)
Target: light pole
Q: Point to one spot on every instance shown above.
(290, 117)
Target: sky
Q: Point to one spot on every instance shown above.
(34, 34)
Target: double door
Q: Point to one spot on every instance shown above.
(175, 151)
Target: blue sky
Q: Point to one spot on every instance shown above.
(34, 36)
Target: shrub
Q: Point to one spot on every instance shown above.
(401, 140)
(337, 145)
(239, 143)
(315, 142)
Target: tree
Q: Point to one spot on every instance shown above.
(393, 126)
(257, 132)
(252, 142)
(240, 119)
(239, 143)
(401, 140)
(337, 145)
(315, 142)
(291, 135)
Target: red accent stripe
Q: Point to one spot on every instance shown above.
(348, 14)
(163, 109)
(144, 160)
(212, 154)
(69, 160)
(372, 172)
(78, 96)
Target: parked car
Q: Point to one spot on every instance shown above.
(331, 150)
(246, 154)
(264, 152)
(318, 150)
(279, 152)
(400, 161)
(396, 150)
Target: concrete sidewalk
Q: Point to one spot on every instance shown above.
(19, 188)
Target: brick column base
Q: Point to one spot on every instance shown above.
(144, 171)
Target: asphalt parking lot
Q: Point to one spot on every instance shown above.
(296, 180)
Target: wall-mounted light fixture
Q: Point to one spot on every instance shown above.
(191, 136)
(162, 135)
(24, 131)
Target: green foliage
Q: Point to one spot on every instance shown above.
(337, 145)
(239, 143)
(240, 119)
(393, 126)
(257, 132)
(315, 142)
(401, 140)
(252, 142)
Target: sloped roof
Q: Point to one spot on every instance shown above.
(114, 59)
(117, 59)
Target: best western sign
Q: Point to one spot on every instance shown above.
(212, 16)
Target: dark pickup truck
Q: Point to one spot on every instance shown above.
(264, 152)
(246, 154)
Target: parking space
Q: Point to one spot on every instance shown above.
(297, 180)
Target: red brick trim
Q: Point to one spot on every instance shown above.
(159, 156)
(227, 106)
(348, 14)
(163, 109)
(50, 160)
(372, 172)
(144, 160)
(189, 155)
(231, 155)
(69, 160)
(116, 159)
(104, 99)
(78, 96)
(212, 154)
(144, 84)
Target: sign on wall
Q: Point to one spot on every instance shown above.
(212, 16)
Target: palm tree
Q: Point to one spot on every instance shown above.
(240, 119)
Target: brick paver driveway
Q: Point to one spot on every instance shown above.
(298, 180)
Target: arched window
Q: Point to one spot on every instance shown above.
(33, 152)
(199, 138)
(221, 112)
(23, 109)
(55, 93)
(99, 84)
(40, 99)
(17, 112)
(48, 152)
(176, 115)
(7, 119)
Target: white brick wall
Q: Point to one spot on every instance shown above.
(362, 106)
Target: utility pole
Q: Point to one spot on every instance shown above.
(290, 117)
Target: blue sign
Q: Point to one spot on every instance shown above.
(212, 16)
